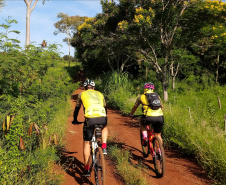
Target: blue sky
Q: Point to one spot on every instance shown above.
(43, 18)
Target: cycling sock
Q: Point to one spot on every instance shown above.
(104, 145)
(144, 133)
(86, 167)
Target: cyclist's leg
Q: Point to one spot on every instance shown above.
(87, 136)
(86, 151)
(104, 134)
(101, 121)
(157, 125)
(159, 136)
(104, 130)
(143, 128)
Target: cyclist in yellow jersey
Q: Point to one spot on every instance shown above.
(95, 113)
(153, 117)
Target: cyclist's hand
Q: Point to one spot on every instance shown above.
(75, 122)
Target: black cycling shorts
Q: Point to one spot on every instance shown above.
(156, 122)
(89, 126)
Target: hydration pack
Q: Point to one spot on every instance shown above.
(153, 100)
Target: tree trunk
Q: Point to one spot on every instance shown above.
(28, 15)
(217, 70)
(173, 82)
(164, 76)
(174, 73)
(68, 40)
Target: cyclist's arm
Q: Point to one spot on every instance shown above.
(133, 109)
(105, 106)
(77, 108)
(106, 110)
(76, 111)
(136, 105)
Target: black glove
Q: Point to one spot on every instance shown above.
(75, 122)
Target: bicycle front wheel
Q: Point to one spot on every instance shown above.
(99, 167)
(159, 157)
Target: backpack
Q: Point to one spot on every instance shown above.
(153, 100)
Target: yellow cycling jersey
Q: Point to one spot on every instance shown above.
(145, 108)
(93, 102)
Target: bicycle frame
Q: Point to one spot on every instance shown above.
(150, 138)
(97, 156)
(154, 148)
(94, 146)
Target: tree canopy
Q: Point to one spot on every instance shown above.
(129, 33)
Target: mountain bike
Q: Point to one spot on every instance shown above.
(96, 159)
(155, 148)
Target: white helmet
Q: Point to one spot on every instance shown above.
(89, 82)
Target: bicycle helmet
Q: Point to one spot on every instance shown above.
(149, 85)
(89, 82)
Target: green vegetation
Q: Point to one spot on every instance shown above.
(177, 45)
(131, 174)
(193, 120)
(34, 90)
(164, 36)
(195, 124)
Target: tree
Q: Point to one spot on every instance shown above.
(212, 41)
(68, 25)
(149, 29)
(7, 43)
(30, 8)
(159, 24)
(1, 4)
(181, 60)
(100, 45)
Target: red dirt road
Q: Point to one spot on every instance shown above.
(179, 170)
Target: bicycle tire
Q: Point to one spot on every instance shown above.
(99, 167)
(90, 161)
(159, 158)
(145, 149)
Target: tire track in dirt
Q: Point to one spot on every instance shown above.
(179, 170)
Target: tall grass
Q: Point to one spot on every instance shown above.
(36, 167)
(130, 174)
(117, 89)
(193, 120)
(27, 155)
(199, 132)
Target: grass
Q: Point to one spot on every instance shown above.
(42, 162)
(131, 175)
(193, 120)
(200, 133)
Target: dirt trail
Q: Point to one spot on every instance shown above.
(72, 159)
(179, 170)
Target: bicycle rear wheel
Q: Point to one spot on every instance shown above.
(159, 157)
(145, 149)
(99, 167)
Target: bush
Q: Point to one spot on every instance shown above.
(35, 86)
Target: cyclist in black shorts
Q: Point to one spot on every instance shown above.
(95, 112)
(153, 117)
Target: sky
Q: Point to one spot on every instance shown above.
(43, 18)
